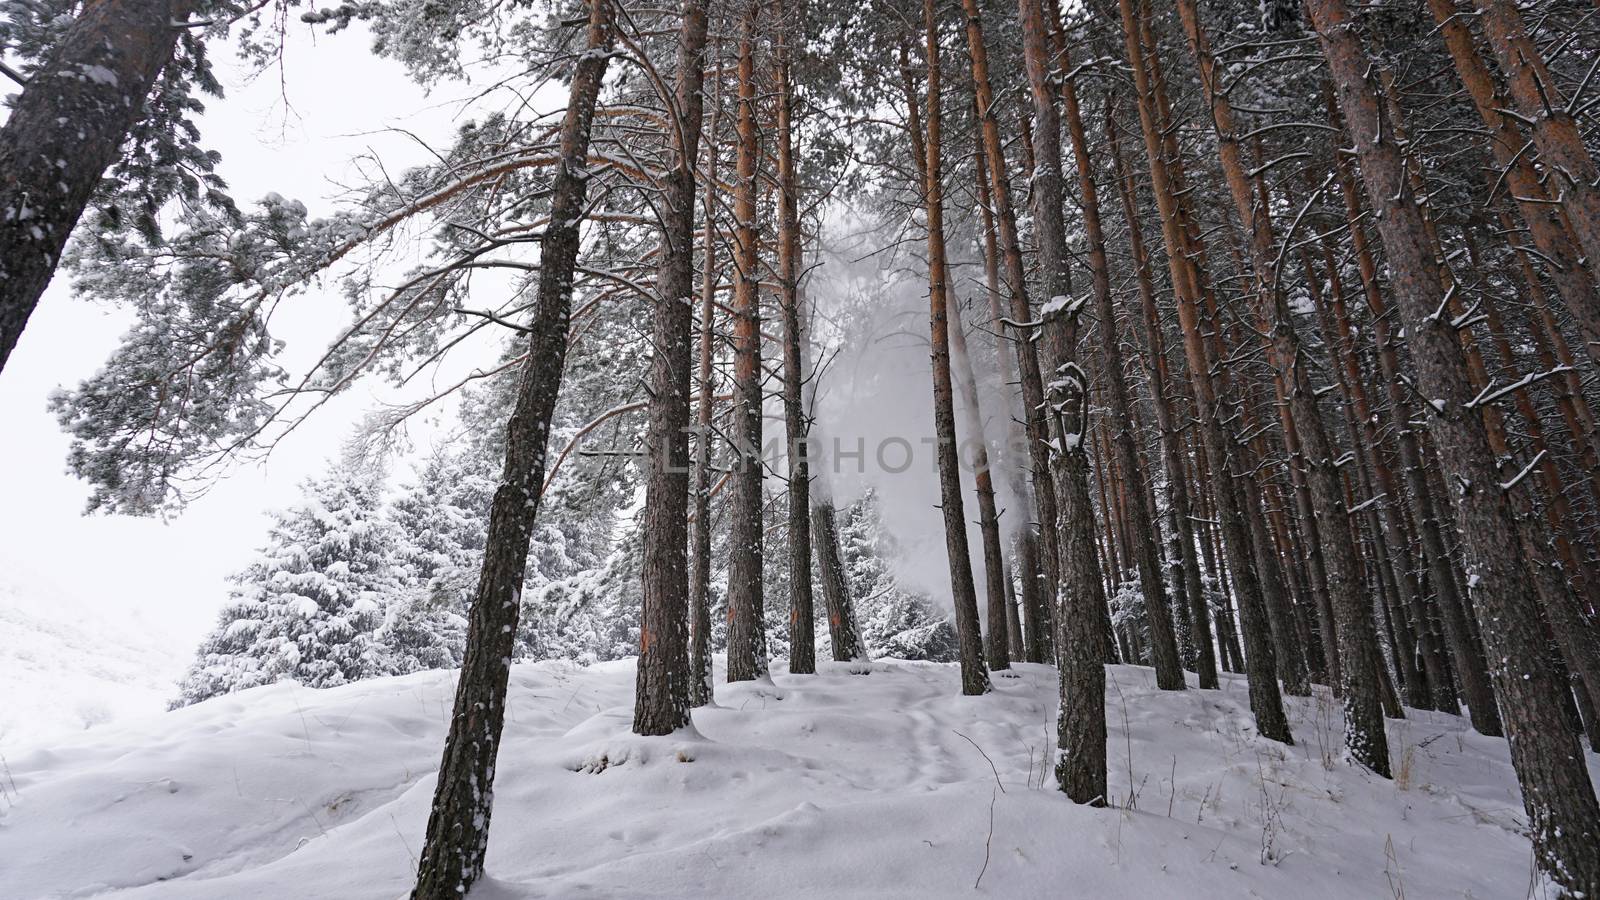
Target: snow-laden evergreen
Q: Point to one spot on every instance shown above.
(357, 580)
(310, 608)
(894, 622)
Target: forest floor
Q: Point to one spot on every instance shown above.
(888, 784)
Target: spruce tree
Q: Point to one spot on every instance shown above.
(310, 607)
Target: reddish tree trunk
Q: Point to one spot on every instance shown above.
(927, 152)
(1563, 814)
(747, 637)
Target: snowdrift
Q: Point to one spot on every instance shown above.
(882, 785)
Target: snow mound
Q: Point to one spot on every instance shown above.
(836, 785)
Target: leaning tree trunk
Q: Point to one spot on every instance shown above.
(661, 697)
(1081, 719)
(1357, 641)
(65, 129)
(1040, 627)
(747, 637)
(926, 152)
(458, 826)
(1155, 354)
(802, 616)
(1573, 280)
(1556, 133)
(1260, 661)
(1563, 814)
(1467, 651)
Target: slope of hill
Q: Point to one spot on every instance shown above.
(68, 664)
(888, 784)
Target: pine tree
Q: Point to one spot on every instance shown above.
(437, 524)
(894, 622)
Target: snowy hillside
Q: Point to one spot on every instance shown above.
(837, 785)
(68, 664)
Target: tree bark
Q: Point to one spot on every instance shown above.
(747, 637)
(661, 695)
(927, 152)
(802, 615)
(1260, 661)
(1563, 814)
(458, 825)
(65, 130)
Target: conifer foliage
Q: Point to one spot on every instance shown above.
(312, 607)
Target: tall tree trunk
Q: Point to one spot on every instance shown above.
(1471, 664)
(65, 129)
(844, 633)
(927, 152)
(1563, 814)
(997, 644)
(1566, 267)
(747, 636)
(1555, 132)
(701, 680)
(1144, 535)
(458, 824)
(802, 616)
(1026, 539)
(1364, 730)
(1186, 558)
(1260, 661)
(1081, 720)
(661, 696)
(1040, 627)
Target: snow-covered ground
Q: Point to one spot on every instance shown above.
(839, 785)
(70, 663)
